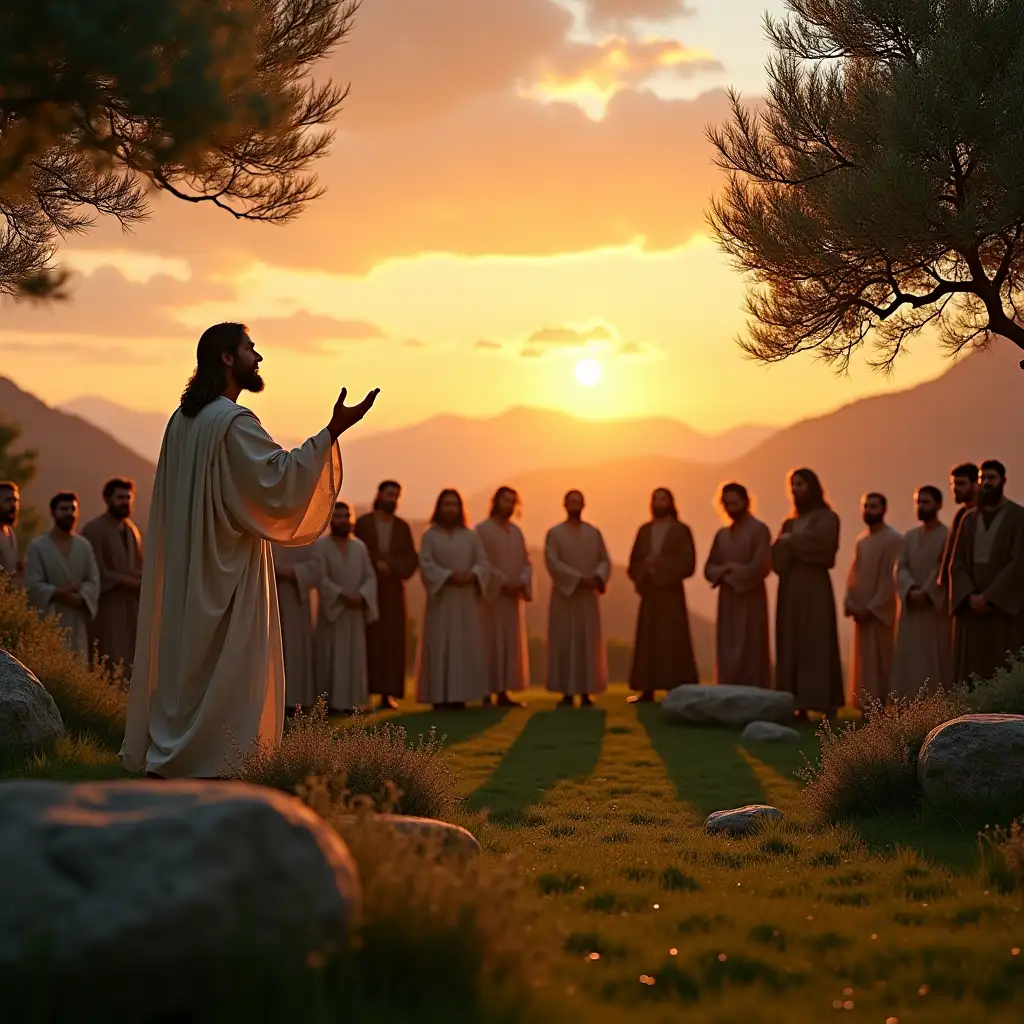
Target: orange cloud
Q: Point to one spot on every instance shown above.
(604, 11)
(303, 331)
(567, 336)
(484, 345)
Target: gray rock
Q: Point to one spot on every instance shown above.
(732, 706)
(28, 714)
(975, 760)
(428, 829)
(741, 821)
(138, 891)
(769, 732)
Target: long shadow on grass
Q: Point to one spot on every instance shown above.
(554, 745)
(454, 726)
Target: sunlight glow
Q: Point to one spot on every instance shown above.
(588, 372)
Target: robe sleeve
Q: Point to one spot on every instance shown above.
(782, 555)
(526, 576)
(281, 496)
(638, 558)
(496, 580)
(40, 592)
(434, 575)
(961, 580)
(946, 565)
(716, 563)
(329, 592)
(307, 574)
(882, 603)
(368, 588)
(89, 589)
(934, 588)
(904, 573)
(749, 576)
(677, 560)
(481, 567)
(564, 577)
(402, 556)
(604, 563)
(818, 543)
(1006, 591)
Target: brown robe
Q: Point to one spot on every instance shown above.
(742, 656)
(946, 567)
(385, 638)
(663, 649)
(983, 642)
(806, 631)
(10, 564)
(117, 545)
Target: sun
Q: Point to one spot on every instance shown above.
(588, 372)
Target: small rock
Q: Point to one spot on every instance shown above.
(741, 821)
(732, 706)
(28, 714)
(428, 829)
(975, 760)
(769, 732)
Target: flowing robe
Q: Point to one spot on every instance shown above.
(503, 620)
(9, 553)
(117, 545)
(576, 659)
(871, 589)
(946, 567)
(389, 542)
(209, 665)
(988, 560)
(452, 666)
(923, 635)
(742, 653)
(663, 647)
(807, 661)
(47, 570)
(340, 637)
(295, 605)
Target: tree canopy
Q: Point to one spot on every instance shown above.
(209, 100)
(879, 188)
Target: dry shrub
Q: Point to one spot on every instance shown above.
(1003, 693)
(1001, 853)
(866, 769)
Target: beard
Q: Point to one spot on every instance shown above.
(575, 514)
(873, 518)
(341, 531)
(387, 507)
(805, 503)
(927, 515)
(120, 512)
(990, 494)
(64, 525)
(737, 517)
(251, 380)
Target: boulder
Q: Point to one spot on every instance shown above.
(150, 894)
(429, 829)
(769, 732)
(732, 706)
(975, 760)
(28, 714)
(741, 821)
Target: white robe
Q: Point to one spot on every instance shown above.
(47, 570)
(451, 667)
(296, 604)
(339, 641)
(209, 667)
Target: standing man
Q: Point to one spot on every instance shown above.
(62, 575)
(117, 545)
(296, 572)
(209, 666)
(923, 634)
(348, 601)
(988, 580)
(663, 556)
(389, 541)
(10, 499)
(963, 482)
(510, 586)
(578, 562)
(807, 662)
(738, 565)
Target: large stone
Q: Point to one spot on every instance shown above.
(446, 835)
(769, 732)
(137, 893)
(28, 714)
(741, 821)
(975, 760)
(732, 706)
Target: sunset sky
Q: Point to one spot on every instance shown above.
(516, 186)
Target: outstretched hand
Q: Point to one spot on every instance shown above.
(346, 416)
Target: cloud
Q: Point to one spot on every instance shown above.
(615, 12)
(108, 355)
(568, 336)
(414, 343)
(484, 345)
(303, 331)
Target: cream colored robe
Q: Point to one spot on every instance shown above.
(871, 588)
(340, 638)
(47, 569)
(451, 666)
(296, 606)
(504, 620)
(9, 552)
(209, 667)
(576, 658)
(924, 635)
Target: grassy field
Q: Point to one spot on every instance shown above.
(887, 919)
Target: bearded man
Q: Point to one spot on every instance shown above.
(10, 500)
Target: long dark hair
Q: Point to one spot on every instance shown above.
(447, 492)
(672, 511)
(497, 497)
(211, 377)
(815, 499)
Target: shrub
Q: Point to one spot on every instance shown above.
(1002, 855)
(1003, 693)
(867, 769)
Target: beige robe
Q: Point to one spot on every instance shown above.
(47, 570)
(340, 637)
(296, 604)
(504, 620)
(451, 666)
(209, 666)
(871, 589)
(923, 648)
(9, 553)
(576, 658)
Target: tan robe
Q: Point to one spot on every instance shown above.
(451, 664)
(9, 553)
(576, 657)
(871, 588)
(47, 570)
(988, 560)
(117, 545)
(209, 666)
(296, 604)
(340, 637)
(504, 621)
(923, 635)
(742, 654)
